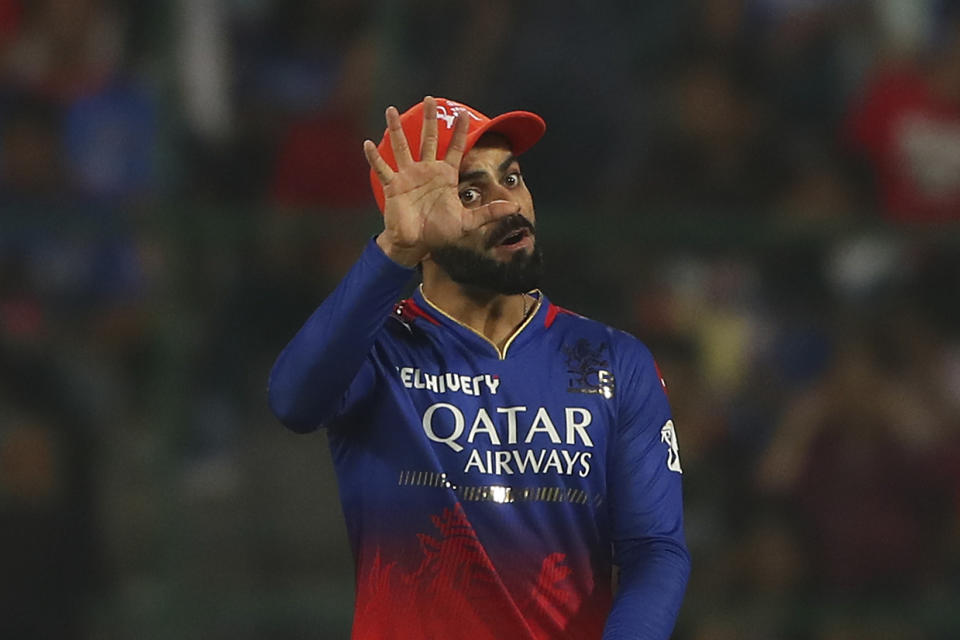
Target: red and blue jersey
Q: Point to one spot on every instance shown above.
(488, 492)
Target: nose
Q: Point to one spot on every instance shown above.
(500, 192)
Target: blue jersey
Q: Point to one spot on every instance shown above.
(489, 492)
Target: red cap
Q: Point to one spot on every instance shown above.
(521, 128)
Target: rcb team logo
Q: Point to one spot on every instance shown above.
(588, 369)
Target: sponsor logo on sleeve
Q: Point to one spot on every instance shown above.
(668, 436)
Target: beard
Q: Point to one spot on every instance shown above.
(473, 269)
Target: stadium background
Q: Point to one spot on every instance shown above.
(181, 183)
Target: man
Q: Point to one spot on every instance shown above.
(496, 454)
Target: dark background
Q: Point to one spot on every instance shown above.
(767, 192)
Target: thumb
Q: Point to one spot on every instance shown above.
(474, 218)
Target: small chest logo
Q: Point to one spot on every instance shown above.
(588, 369)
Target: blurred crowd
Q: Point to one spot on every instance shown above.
(767, 192)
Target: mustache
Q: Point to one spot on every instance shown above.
(512, 223)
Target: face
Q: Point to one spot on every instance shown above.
(503, 256)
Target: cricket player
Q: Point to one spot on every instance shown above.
(496, 454)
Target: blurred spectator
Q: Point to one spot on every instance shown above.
(51, 559)
(111, 141)
(319, 163)
(23, 314)
(574, 63)
(906, 126)
(11, 14)
(31, 150)
(446, 50)
(714, 151)
(852, 456)
(804, 53)
(100, 127)
(286, 85)
(710, 143)
(819, 187)
(65, 48)
(461, 52)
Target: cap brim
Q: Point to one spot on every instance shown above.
(521, 128)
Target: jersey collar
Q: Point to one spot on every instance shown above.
(524, 333)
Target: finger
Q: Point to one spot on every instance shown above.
(377, 163)
(398, 139)
(496, 210)
(457, 143)
(428, 147)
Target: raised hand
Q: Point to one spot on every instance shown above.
(422, 208)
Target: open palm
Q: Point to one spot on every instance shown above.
(422, 208)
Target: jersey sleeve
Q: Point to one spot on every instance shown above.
(322, 367)
(646, 507)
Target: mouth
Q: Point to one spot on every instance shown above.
(515, 237)
(513, 232)
(519, 240)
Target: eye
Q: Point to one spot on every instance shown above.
(470, 196)
(512, 179)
